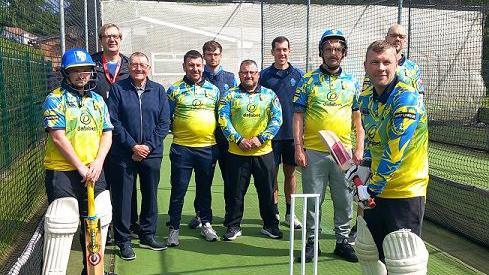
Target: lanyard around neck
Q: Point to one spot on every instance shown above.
(109, 77)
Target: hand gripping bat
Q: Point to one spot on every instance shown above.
(343, 158)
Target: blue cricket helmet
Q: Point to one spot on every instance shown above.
(76, 58)
(332, 34)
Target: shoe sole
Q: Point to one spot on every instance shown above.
(233, 237)
(152, 248)
(209, 239)
(172, 244)
(265, 232)
(345, 258)
(128, 259)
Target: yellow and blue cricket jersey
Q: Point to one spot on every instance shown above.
(193, 109)
(246, 115)
(83, 118)
(396, 132)
(327, 101)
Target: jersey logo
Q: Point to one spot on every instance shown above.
(85, 118)
(332, 96)
(196, 103)
(251, 108)
(292, 82)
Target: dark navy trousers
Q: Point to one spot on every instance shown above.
(122, 174)
(241, 168)
(184, 160)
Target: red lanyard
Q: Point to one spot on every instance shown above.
(107, 73)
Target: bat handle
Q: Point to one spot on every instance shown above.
(91, 199)
(371, 202)
(358, 182)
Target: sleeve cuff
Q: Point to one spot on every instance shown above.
(261, 139)
(299, 108)
(239, 141)
(371, 193)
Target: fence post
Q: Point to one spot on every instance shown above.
(399, 12)
(85, 11)
(409, 29)
(96, 24)
(5, 113)
(62, 25)
(262, 34)
(307, 33)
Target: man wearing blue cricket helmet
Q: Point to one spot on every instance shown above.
(79, 137)
(327, 99)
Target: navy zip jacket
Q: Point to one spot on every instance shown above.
(138, 122)
(103, 84)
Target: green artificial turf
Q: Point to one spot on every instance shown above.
(457, 164)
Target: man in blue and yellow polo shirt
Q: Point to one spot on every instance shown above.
(327, 99)
(394, 118)
(250, 116)
(193, 105)
(79, 137)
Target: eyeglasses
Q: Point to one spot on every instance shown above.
(113, 36)
(252, 73)
(395, 35)
(331, 50)
(136, 65)
(81, 74)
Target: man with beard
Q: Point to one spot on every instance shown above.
(193, 104)
(327, 99)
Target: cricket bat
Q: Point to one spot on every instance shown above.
(93, 237)
(342, 157)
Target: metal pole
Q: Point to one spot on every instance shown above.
(292, 218)
(96, 24)
(409, 29)
(399, 12)
(62, 25)
(85, 10)
(262, 34)
(308, 21)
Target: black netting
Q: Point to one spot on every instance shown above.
(30, 51)
(450, 42)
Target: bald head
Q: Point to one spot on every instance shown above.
(396, 36)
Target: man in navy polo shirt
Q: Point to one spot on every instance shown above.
(282, 78)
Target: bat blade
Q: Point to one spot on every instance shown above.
(93, 237)
(341, 155)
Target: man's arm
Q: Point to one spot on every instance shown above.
(163, 123)
(120, 133)
(96, 166)
(300, 101)
(225, 120)
(298, 132)
(66, 149)
(274, 123)
(360, 137)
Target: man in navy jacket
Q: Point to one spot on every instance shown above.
(140, 113)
